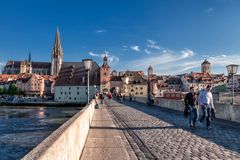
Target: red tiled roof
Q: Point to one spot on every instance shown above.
(116, 78)
(72, 75)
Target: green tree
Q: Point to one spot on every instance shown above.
(12, 90)
(21, 92)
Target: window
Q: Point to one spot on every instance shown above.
(65, 93)
(69, 92)
(141, 93)
(141, 88)
(132, 90)
(70, 98)
(59, 97)
(136, 93)
(69, 88)
(77, 87)
(77, 93)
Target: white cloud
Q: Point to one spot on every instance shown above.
(101, 31)
(2, 63)
(187, 53)
(136, 48)
(112, 59)
(165, 57)
(152, 44)
(124, 47)
(93, 54)
(209, 10)
(224, 55)
(147, 51)
(224, 60)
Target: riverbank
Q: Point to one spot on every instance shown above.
(48, 104)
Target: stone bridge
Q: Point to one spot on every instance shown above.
(131, 130)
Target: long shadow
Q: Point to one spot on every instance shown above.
(221, 134)
(134, 128)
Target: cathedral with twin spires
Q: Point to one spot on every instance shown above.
(42, 68)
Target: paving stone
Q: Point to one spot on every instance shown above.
(166, 135)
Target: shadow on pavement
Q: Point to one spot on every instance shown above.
(222, 134)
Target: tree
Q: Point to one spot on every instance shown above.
(21, 92)
(12, 90)
(3, 91)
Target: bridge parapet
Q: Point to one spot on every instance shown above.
(225, 111)
(67, 142)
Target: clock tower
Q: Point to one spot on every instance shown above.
(105, 76)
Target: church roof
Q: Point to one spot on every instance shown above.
(72, 73)
(206, 62)
(46, 65)
(16, 64)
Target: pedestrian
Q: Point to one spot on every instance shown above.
(191, 104)
(206, 102)
(96, 100)
(130, 96)
(109, 97)
(149, 99)
(101, 97)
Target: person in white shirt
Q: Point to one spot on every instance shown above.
(205, 100)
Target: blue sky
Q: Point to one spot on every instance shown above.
(171, 35)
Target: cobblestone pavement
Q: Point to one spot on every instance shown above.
(157, 133)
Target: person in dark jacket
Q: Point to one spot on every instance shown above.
(191, 102)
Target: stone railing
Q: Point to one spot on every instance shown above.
(67, 142)
(223, 110)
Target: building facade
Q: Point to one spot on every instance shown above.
(134, 84)
(32, 84)
(206, 67)
(105, 76)
(71, 84)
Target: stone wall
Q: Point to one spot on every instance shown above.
(224, 111)
(67, 142)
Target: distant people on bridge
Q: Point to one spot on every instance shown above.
(101, 96)
(130, 96)
(191, 107)
(206, 102)
(96, 100)
(109, 98)
(150, 99)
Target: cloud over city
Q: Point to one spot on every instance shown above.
(101, 31)
(112, 59)
(136, 48)
(167, 61)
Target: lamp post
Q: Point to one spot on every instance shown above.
(232, 69)
(88, 67)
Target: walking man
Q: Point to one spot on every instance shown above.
(190, 101)
(206, 103)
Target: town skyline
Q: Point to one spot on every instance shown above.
(145, 34)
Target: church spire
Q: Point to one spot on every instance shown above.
(57, 44)
(29, 57)
(57, 55)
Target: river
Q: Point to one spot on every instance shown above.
(23, 128)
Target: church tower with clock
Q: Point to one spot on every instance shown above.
(105, 76)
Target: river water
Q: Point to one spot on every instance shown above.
(23, 128)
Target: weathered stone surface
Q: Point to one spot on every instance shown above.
(162, 134)
(104, 141)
